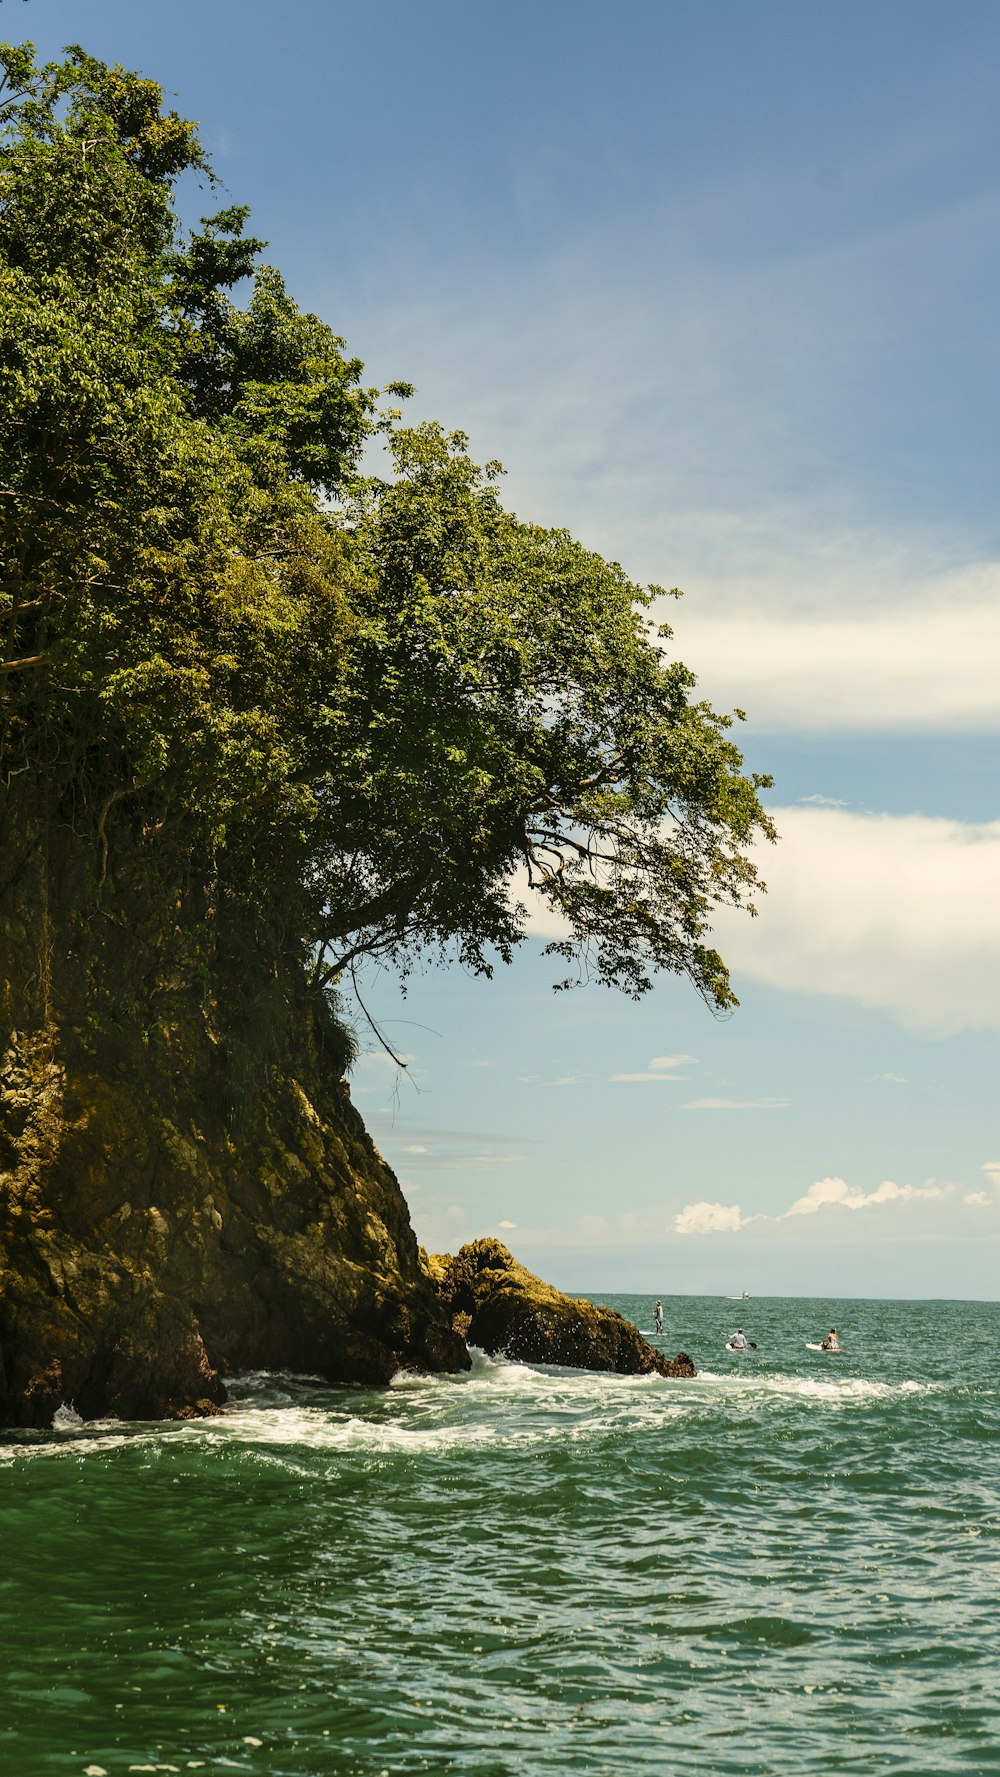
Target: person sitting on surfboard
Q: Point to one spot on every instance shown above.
(831, 1342)
(739, 1340)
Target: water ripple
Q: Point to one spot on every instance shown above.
(773, 1569)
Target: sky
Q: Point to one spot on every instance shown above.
(718, 285)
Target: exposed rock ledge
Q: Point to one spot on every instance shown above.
(503, 1308)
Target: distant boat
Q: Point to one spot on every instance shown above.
(745, 1297)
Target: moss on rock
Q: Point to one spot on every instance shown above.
(505, 1309)
(152, 1237)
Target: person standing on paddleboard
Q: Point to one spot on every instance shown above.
(658, 1316)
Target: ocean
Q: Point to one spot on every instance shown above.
(786, 1566)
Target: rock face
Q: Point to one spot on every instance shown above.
(185, 1187)
(506, 1309)
(141, 1255)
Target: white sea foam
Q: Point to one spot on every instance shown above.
(825, 1391)
(95, 1439)
(505, 1404)
(65, 1418)
(497, 1403)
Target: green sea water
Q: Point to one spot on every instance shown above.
(786, 1566)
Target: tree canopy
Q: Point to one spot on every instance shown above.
(375, 702)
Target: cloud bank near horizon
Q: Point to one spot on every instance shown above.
(959, 1213)
(834, 1193)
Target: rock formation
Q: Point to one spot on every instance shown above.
(185, 1187)
(504, 1308)
(176, 1203)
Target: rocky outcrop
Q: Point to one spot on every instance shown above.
(505, 1309)
(185, 1187)
(142, 1254)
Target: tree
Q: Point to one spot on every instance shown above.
(351, 708)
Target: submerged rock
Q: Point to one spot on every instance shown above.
(504, 1309)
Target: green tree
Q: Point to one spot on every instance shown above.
(351, 706)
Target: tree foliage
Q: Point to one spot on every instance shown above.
(372, 702)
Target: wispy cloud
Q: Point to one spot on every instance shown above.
(448, 1150)
(474, 1162)
(661, 1068)
(736, 1104)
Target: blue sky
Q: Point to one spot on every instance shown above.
(719, 286)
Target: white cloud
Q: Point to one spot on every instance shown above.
(444, 1229)
(837, 1192)
(897, 912)
(736, 1104)
(708, 1218)
(543, 921)
(660, 1077)
(563, 1080)
(455, 1159)
(825, 1194)
(660, 1068)
(484, 1162)
(927, 660)
(507, 1225)
(991, 1198)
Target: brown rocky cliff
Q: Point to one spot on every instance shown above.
(185, 1186)
(186, 1189)
(503, 1308)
